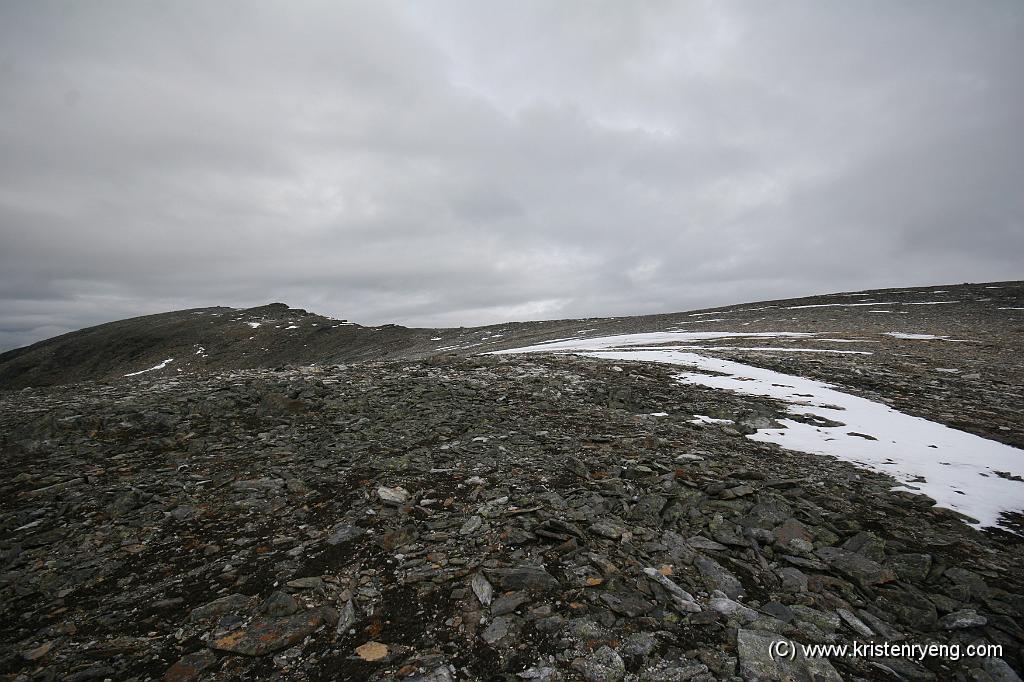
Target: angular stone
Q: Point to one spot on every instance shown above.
(190, 666)
(912, 567)
(439, 674)
(344, 532)
(726, 532)
(606, 530)
(855, 623)
(346, 617)
(525, 577)
(684, 601)
(677, 671)
(481, 588)
(638, 644)
(702, 543)
(879, 626)
(966, 618)
(793, 579)
(778, 611)
(828, 622)
(627, 603)
(498, 629)
(738, 491)
(905, 669)
(970, 580)
(471, 525)
(792, 529)
(910, 608)
(999, 670)
(767, 514)
(307, 583)
(867, 544)
(541, 674)
(647, 511)
(507, 603)
(218, 607)
(394, 496)
(279, 604)
(372, 651)
(758, 664)
(604, 665)
(265, 635)
(729, 608)
(718, 578)
(397, 538)
(856, 566)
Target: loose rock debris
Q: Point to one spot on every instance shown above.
(480, 518)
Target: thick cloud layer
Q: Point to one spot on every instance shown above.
(447, 163)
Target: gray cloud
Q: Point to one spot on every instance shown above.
(448, 163)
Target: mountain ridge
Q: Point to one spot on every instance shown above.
(100, 352)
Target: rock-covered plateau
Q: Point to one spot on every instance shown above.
(223, 494)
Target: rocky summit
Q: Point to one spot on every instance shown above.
(224, 494)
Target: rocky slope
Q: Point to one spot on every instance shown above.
(456, 516)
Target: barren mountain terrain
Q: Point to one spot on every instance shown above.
(267, 493)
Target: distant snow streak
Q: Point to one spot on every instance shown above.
(155, 367)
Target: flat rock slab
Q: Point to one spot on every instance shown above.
(523, 578)
(627, 603)
(190, 666)
(718, 578)
(227, 604)
(344, 532)
(264, 635)
(860, 568)
(757, 664)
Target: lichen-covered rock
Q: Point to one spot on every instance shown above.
(264, 635)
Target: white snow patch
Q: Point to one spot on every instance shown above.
(955, 468)
(650, 338)
(704, 419)
(435, 338)
(836, 305)
(155, 367)
(927, 302)
(758, 348)
(713, 319)
(658, 414)
(1011, 308)
(292, 326)
(790, 350)
(917, 337)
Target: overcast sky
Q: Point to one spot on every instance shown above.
(462, 163)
